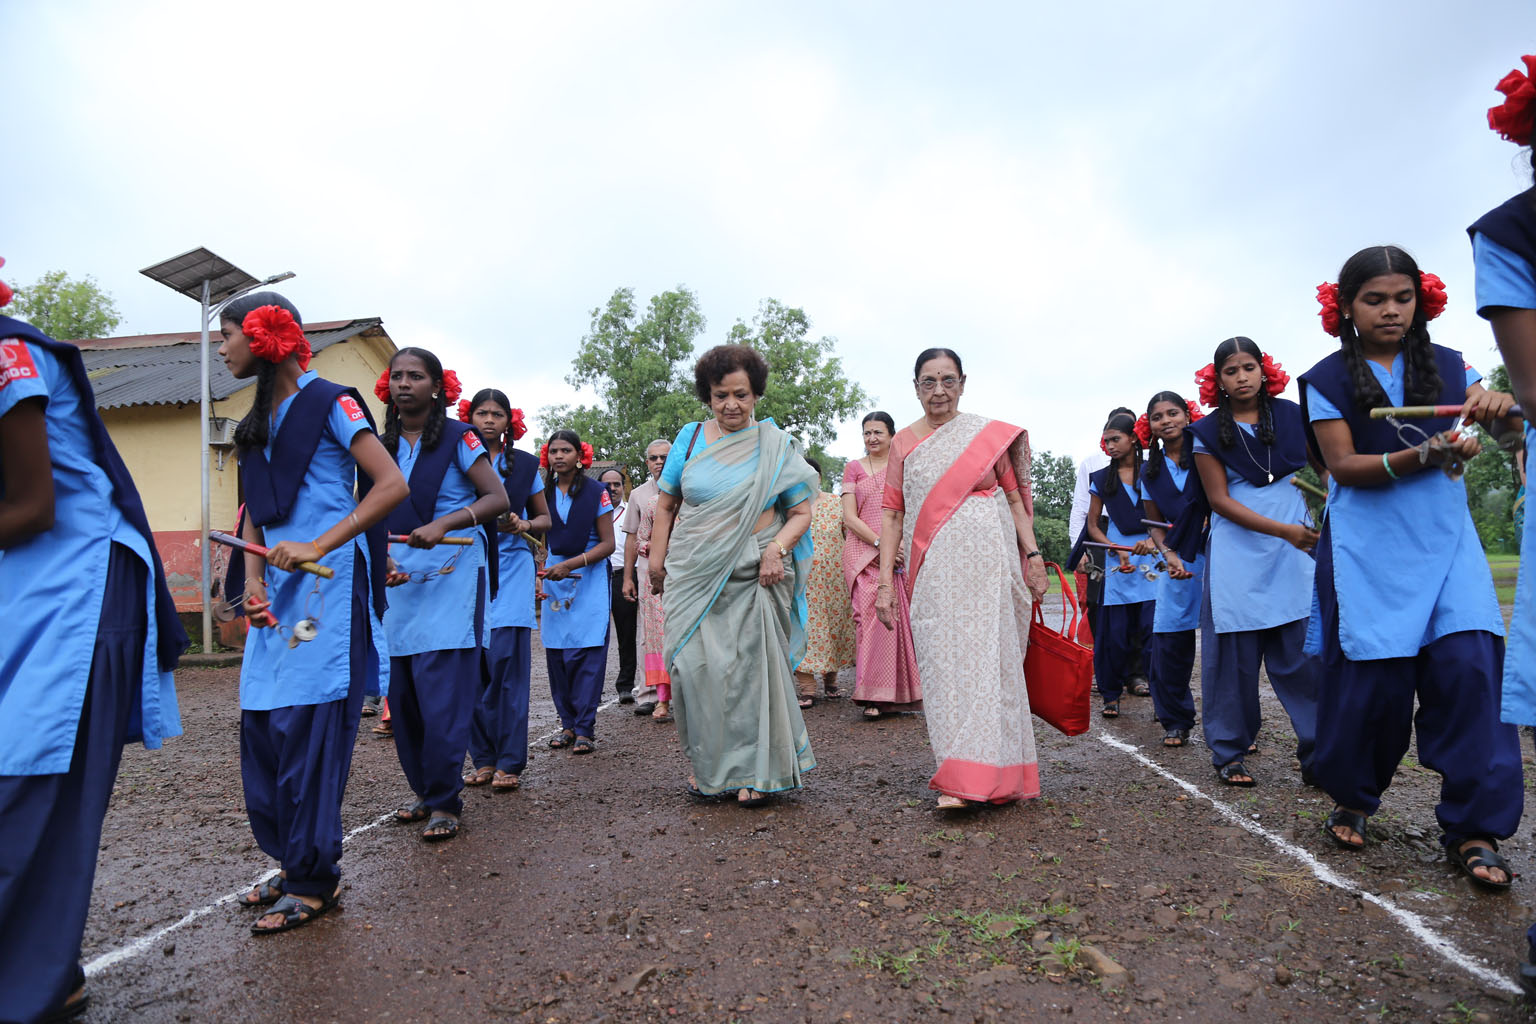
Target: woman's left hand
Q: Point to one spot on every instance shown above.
(1486, 406)
(771, 569)
(428, 535)
(558, 571)
(1036, 578)
(286, 554)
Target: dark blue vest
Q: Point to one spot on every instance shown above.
(1124, 511)
(171, 638)
(522, 470)
(270, 486)
(1332, 379)
(1170, 498)
(569, 538)
(1251, 460)
(426, 481)
(1512, 224)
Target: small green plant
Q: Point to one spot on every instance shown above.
(1065, 953)
(1189, 909)
(1076, 821)
(1291, 926)
(1010, 876)
(897, 887)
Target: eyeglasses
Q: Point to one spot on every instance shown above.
(655, 458)
(927, 384)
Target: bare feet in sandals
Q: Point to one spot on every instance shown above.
(952, 803)
(480, 776)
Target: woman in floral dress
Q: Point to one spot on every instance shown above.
(830, 643)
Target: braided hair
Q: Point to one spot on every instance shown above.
(1158, 455)
(1421, 385)
(255, 428)
(1266, 425)
(1125, 423)
(432, 432)
(574, 439)
(500, 398)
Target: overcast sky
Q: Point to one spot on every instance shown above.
(1083, 199)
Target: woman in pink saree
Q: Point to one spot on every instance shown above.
(973, 569)
(886, 665)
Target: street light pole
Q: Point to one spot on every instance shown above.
(205, 412)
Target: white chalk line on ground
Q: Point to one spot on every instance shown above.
(1413, 923)
(139, 945)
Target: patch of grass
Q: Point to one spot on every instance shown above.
(982, 925)
(897, 887)
(944, 835)
(1065, 953)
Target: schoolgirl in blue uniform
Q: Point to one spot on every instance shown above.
(86, 654)
(1126, 607)
(1168, 485)
(1406, 604)
(436, 618)
(1258, 575)
(498, 739)
(301, 447)
(574, 630)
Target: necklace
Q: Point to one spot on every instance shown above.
(1269, 454)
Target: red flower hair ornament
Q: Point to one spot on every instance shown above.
(1512, 118)
(381, 387)
(452, 389)
(464, 410)
(275, 335)
(544, 455)
(1205, 380)
(586, 451)
(1432, 300)
(1144, 431)
(5, 290)
(517, 427)
(1275, 380)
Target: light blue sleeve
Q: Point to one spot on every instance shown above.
(538, 484)
(671, 480)
(1318, 407)
(1141, 489)
(1503, 277)
(21, 373)
(464, 455)
(1093, 488)
(1473, 377)
(346, 420)
(1200, 448)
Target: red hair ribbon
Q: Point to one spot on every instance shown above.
(1144, 431)
(544, 456)
(381, 387)
(1194, 410)
(452, 389)
(1512, 118)
(518, 427)
(5, 290)
(1328, 298)
(1275, 377)
(464, 410)
(275, 335)
(1205, 379)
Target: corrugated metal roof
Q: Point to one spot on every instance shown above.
(167, 374)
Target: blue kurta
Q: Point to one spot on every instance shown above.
(1125, 587)
(51, 587)
(273, 675)
(580, 618)
(1178, 601)
(514, 603)
(1408, 565)
(439, 615)
(1257, 581)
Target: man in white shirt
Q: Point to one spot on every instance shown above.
(624, 612)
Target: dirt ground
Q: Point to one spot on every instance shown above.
(600, 892)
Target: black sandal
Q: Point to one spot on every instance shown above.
(1111, 709)
(565, 739)
(418, 811)
(295, 913)
(583, 745)
(1482, 854)
(1230, 771)
(1138, 687)
(267, 893)
(440, 828)
(1175, 737)
(754, 801)
(1340, 818)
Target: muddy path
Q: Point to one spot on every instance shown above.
(601, 892)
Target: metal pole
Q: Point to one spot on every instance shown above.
(205, 406)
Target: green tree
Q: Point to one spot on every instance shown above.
(808, 393)
(66, 309)
(639, 366)
(1052, 481)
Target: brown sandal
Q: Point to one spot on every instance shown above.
(505, 782)
(480, 776)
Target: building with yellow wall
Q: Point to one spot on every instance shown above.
(147, 390)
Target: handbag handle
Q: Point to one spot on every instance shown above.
(1070, 600)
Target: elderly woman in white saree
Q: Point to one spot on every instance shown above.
(957, 498)
(729, 555)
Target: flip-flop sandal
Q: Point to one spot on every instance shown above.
(565, 739)
(662, 718)
(418, 811)
(505, 782)
(755, 801)
(1230, 771)
(806, 701)
(296, 913)
(267, 893)
(68, 1010)
(583, 745)
(872, 713)
(1139, 688)
(701, 796)
(1482, 854)
(480, 776)
(382, 731)
(1345, 819)
(1175, 738)
(440, 829)
(1111, 709)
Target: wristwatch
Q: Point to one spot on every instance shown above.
(877, 543)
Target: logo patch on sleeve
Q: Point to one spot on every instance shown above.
(472, 440)
(15, 362)
(351, 408)
(603, 500)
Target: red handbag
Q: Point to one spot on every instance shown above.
(1058, 671)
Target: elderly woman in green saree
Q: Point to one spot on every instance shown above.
(730, 555)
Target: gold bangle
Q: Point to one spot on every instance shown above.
(783, 551)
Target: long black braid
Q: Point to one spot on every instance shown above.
(1266, 426)
(1422, 383)
(1158, 454)
(255, 428)
(1126, 424)
(432, 431)
(575, 442)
